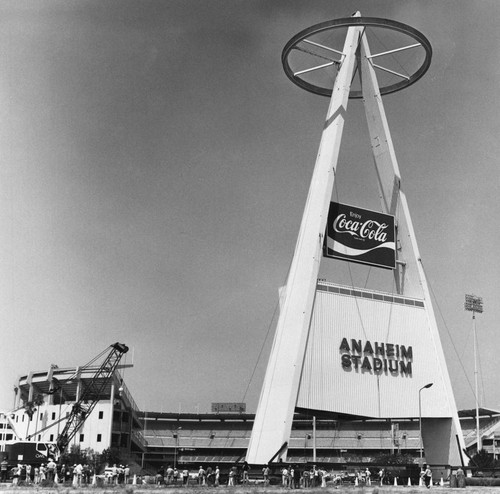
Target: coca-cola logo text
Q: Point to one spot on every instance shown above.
(370, 229)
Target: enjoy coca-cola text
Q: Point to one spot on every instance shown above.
(370, 229)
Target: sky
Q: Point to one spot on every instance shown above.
(155, 162)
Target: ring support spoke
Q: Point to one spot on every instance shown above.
(299, 48)
(391, 71)
(394, 51)
(305, 71)
(323, 46)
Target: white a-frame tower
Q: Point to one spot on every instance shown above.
(353, 351)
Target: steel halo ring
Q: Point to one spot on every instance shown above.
(357, 21)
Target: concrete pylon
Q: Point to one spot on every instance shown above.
(134, 480)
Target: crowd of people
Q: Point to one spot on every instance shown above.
(26, 474)
(295, 477)
(77, 475)
(117, 474)
(204, 476)
(172, 476)
(292, 476)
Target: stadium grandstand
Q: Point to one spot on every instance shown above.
(177, 439)
(489, 430)
(151, 440)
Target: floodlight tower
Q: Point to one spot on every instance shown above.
(474, 304)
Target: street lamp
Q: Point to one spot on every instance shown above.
(475, 304)
(176, 437)
(420, 416)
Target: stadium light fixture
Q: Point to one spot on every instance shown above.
(474, 304)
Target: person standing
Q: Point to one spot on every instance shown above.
(159, 476)
(86, 474)
(201, 476)
(265, 474)
(77, 472)
(121, 474)
(427, 476)
(306, 475)
(51, 470)
(315, 476)
(245, 469)
(16, 472)
(368, 475)
(284, 477)
(209, 474)
(323, 476)
(170, 475)
(217, 476)
(232, 476)
(381, 476)
(185, 477)
(460, 477)
(42, 473)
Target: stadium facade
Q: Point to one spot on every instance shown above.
(149, 439)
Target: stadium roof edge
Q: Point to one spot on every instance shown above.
(483, 412)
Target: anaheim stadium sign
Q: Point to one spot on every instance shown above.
(377, 357)
(360, 235)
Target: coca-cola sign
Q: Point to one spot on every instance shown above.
(360, 235)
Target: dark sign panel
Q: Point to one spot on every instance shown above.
(229, 407)
(360, 235)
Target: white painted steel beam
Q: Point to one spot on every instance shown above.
(411, 280)
(273, 420)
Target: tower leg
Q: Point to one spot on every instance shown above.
(273, 420)
(410, 276)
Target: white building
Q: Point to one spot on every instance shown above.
(113, 422)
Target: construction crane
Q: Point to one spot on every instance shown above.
(91, 394)
(101, 368)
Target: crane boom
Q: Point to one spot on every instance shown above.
(91, 394)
